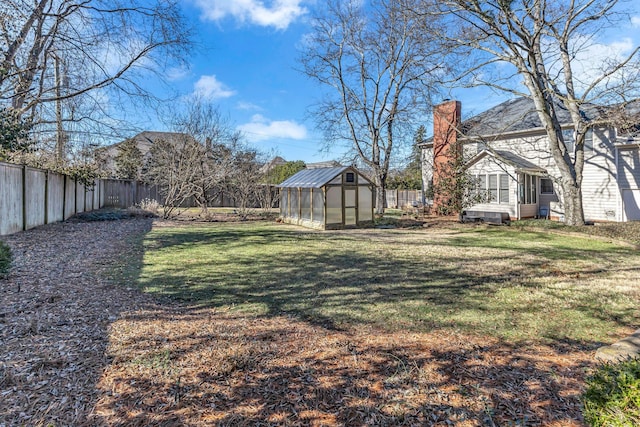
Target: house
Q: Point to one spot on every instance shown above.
(506, 150)
(327, 198)
(144, 141)
(276, 161)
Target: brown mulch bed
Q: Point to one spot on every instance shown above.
(78, 350)
(54, 314)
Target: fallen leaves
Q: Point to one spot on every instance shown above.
(77, 350)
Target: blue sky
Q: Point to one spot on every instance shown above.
(246, 64)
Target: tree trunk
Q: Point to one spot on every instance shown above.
(572, 200)
(380, 194)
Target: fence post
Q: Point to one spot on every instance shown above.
(24, 197)
(46, 197)
(64, 196)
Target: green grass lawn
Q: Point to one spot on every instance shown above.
(499, 281)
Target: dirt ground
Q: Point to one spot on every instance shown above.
(78, 350)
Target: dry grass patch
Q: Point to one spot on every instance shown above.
(209, 367)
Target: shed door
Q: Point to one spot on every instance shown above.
(350, 206)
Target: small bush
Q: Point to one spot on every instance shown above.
(612, 397)
(150, 205)
(102, 215)
(146, 207)
(5, 260)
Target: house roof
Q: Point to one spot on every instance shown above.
(518, 163)
(327, 164)
(276, 161)
(518, 115)
(313, 178)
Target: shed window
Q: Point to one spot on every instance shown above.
(294, 203)
(284, 202)
(318, 205)
(305, 203)
(546, 186)
(350, 177)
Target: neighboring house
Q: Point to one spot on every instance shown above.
(327, 164)
(276, 161)
(506, 149)
(144, 140)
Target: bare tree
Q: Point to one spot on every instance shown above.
(61, 59)
(199, 159)
(206, 125)
(378, 65)
(244, 182)
(542, 43)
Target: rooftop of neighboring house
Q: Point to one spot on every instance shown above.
(327, 164)
(276, 161)
(147, 138)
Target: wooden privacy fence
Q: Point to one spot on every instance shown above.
(30, 197)
(120, 193)
(399, 199)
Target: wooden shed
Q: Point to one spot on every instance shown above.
(327, 198)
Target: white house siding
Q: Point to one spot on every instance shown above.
(599, 187)
(600, 192)
(629, 179)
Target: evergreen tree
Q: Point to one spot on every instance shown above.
(280, 173)
(128, 161)
(14, 133)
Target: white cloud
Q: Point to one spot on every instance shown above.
(269, 13)
(635, 21)
(260, 128)
(208, 87)
(591, 62)
(177, 73)
(248, 106)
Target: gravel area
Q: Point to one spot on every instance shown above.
(55, 308)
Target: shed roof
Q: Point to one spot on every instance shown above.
(313, 178)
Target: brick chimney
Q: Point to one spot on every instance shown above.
(446, 150)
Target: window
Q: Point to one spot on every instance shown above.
(504, 188)
(528, 189)
(533, 190)
(351, 177)
(588, 140)
(493, 188)
(546, 186)
(482, 186)
(569, 140)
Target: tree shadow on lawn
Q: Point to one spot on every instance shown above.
(351, 282)
(344, 337)
(221, 369)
